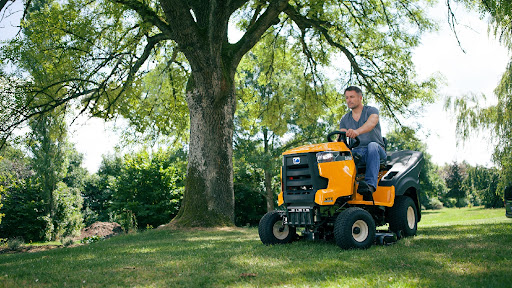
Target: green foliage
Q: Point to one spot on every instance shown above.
(250, 198)
(55, 160)
(14, 171)
(67, 219)
(435, 204)
(29, 181)
(67, 241)
(15, 244)
(91, 239)
(147, 187)
(454, 183)
(126, 218)
(497, 118)
(24, 211)
(48, 145)
(76, 175)
(2, 191)
(99, 189)
(471, 186)
(483, 185)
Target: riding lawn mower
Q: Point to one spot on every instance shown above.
(319, 197)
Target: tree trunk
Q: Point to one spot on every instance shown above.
(209, 196)
(267, 173)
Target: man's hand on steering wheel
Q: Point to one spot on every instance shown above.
(342, 136)
(351, 133)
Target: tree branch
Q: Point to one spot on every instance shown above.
(148, 15)
(152, 41)
(305, 23)
(255, 32)
(233, 5)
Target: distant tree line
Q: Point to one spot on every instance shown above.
(472, 186)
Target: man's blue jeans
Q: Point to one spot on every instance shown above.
(371, 156)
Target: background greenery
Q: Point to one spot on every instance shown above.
(143, 189)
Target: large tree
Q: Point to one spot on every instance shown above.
(107, 47)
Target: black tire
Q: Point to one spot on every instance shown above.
(272, 231)
(403, 217)
(354, 228)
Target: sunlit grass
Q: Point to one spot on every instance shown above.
(454, 248)
(465, 216)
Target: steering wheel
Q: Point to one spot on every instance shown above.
(342, 135)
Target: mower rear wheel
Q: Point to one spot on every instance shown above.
(354, 228)
(272, 229)
(403, 217)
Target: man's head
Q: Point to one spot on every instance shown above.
(353, 97)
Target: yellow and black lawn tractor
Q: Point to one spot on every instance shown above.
(319, 195)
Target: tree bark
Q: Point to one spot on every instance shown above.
(268, 174)
(209, 199)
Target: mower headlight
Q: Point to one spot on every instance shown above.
(330, 156)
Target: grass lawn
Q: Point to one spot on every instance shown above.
(469, 247)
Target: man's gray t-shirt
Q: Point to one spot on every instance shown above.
(348, 122)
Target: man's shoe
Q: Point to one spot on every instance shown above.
(366, 190)
(363, 188)
(369, 196)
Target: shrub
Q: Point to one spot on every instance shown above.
(68, 219)
(68, 241)
(15, 244)
(449, 202)
(24, 212)
(126, 219)
(91, 239)
(435, 204)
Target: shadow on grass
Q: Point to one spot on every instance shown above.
(448, 256)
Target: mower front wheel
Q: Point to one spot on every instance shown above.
(272, 229)
(354, 228)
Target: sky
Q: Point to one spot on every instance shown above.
(477, 71)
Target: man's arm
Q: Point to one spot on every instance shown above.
(367, 127)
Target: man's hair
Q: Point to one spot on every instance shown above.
(354, 88)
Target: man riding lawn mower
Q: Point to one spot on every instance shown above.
(319, 185)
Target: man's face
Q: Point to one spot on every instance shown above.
(353, 99)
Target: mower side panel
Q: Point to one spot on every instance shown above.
(341, 176)
(383, 196)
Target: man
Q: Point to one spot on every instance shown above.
(363, 122)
